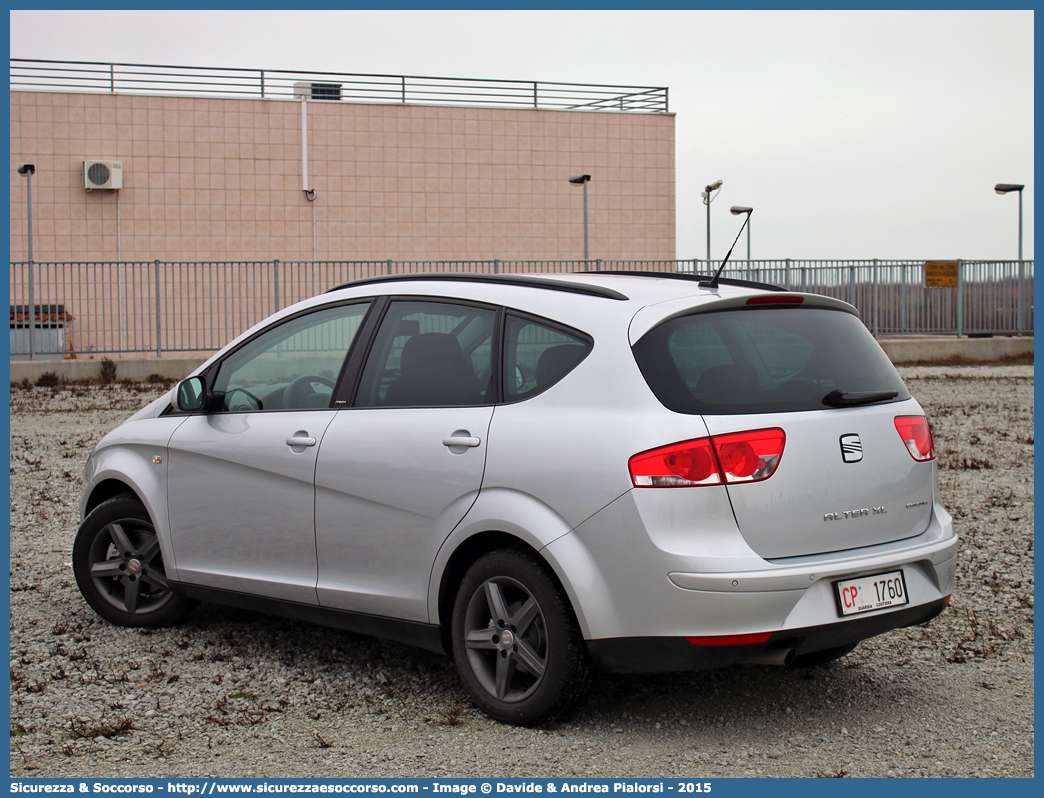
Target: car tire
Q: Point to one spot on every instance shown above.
(119, 567)
(516, 642)
(822, 657)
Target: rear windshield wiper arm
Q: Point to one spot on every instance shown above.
(839, 398)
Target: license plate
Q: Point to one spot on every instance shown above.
(870, 593)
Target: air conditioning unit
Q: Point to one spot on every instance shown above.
(318, 91)
(103, 174)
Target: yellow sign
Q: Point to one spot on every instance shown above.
(940, 273)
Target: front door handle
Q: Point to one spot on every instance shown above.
(300, 439)
(461, 440)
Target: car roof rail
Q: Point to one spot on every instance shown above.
(502, 279)
(697, 278)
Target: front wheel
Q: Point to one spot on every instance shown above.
(517, 645)
(119, 567)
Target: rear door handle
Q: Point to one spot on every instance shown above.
(461, 441)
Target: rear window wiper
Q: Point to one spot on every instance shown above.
(839, 398)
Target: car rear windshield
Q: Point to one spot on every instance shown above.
(765, 360)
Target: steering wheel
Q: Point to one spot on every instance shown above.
(246, 402)
(300, 394)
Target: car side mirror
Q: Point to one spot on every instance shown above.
(190, 395)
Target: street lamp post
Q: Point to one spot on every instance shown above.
(708, 194)
(1004, 188)
(28, 170)
(583, 180)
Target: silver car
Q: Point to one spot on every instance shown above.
(538, 476)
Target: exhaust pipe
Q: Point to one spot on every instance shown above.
(772, 656)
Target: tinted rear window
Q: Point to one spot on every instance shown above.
(766, 360)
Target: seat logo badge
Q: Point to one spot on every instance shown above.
(851, 448)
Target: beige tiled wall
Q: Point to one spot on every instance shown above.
(221, 179)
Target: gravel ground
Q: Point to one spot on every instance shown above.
(237, 694)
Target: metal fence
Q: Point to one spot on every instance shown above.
(28, 74)
(160, 307)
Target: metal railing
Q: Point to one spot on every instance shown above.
(28, 74)
(161, 307)
(990, 297)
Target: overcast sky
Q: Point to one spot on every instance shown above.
(874, 134)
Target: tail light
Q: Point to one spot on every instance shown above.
(917, 437)
(730, 640)
(776, 299)
(737, 457)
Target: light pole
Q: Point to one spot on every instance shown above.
(28, 170)
(583, 180)
(709, 193)
(736, 210)
(1004, 188)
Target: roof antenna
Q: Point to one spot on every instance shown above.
(713, 281)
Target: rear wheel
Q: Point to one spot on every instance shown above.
(119, 567)
(822, 657)
(517, 645)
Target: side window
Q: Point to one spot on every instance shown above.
(292, 366)
(430, 354)
(537, 356)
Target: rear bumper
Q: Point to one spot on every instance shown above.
(669, 654)
(635, 574)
